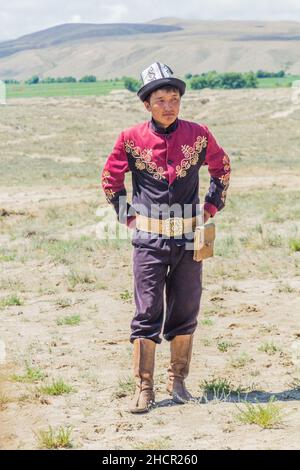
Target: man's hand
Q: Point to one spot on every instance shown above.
(206, 216)
(131, 222)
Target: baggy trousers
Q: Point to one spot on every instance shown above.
(159, 266)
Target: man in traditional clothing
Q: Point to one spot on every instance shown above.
(164, 156)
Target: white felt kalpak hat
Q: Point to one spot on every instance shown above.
(158, 75)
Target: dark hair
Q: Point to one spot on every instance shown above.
(168, 88)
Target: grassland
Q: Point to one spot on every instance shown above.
(63, 89)
(277, 82)
(105, 87)
(66, 296)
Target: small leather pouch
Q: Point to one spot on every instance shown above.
(204, 241)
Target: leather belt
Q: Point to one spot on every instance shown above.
(171, 227)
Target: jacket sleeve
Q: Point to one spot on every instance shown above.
(218, 163)
(113, 176)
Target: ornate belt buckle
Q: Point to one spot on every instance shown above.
(173, 226)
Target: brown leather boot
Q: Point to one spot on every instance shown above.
(143, 364)
(181, 353)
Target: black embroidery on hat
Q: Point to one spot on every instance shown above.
(160, 69)
(151, 74)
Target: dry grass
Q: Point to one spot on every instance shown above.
(265, 416)
(31, 375)
(126, 387)
(155, 444)
(220, 388)
(57, 387)
(52, 263)
(72, 320)
(11, 300)
(4, 400)
(54, 438)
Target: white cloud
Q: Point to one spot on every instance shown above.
(75, 19)
(18, 17)
(114, 13)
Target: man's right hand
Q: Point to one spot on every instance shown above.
(206, 216)
(131, 222)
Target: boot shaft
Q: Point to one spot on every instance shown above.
(144, 361)
(181, 352)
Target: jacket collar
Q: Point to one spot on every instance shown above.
(164, 130)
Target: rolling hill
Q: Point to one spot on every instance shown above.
(114, 50)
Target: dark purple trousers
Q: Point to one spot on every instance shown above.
(161, 265)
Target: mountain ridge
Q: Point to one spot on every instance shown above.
(113, 50)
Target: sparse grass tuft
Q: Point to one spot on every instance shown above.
(294, 244)
(156, 444)
(55, 439)
(254, 373)
(266, 416)
(286, 289)
(126, 296)
(211, 310)
(58, 387)
(273, 240)
(295, 384)
(220, 388)
(32, 374)
(126, 387)
(72, 320)
(6, 255)
(13, 299)
(269, 348)
(64, 302)
(223, 346)
(63, 251)
(12, 285)
(227, 247)
(230, 288)
(207, 322)
(3, 400)
(85, 280)
(240, 361)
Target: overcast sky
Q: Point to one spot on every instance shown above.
(19, 17)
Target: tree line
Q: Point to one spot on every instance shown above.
(228, 80)
(212, 79)
(35, 79)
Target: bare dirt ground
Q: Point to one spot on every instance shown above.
(66, 297)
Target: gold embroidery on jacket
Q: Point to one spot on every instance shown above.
(191, 156)
(108, 192)
(226, 177)
(143, 160)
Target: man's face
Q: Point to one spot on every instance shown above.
(164, 105)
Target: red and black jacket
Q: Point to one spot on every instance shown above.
(165, 165)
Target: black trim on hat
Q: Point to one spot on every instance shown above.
(160, 83)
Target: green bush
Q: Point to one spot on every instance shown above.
(58, 80)
(33, 80)
(264, 74)
(67, 80)
(88, 78)
(131, 84)
(48, 80)
(11, 81)
(229, 80)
